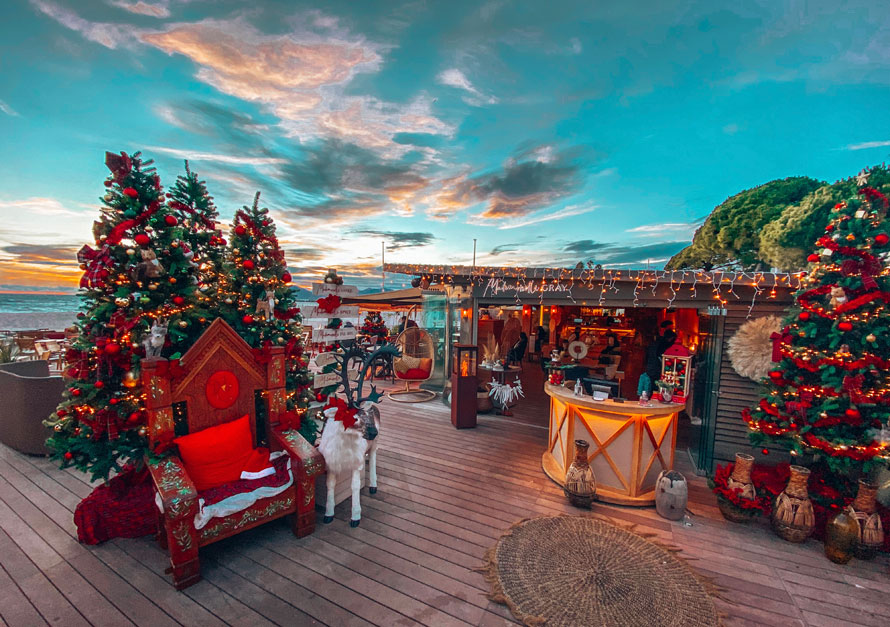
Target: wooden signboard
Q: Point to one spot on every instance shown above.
(323, 289)
(343, 311)
(325, 359)
(324, 379)
(333, 335)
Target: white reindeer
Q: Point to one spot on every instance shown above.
(346, 439)
(154, 342)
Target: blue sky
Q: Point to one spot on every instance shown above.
(551, 132)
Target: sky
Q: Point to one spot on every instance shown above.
(550, 132)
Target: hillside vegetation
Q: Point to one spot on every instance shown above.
(772, 225)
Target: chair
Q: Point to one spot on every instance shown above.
(29, 395)
(414, 365)
(532, 343)
(26, 346)
(218, 380)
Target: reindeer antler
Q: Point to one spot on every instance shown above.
(374, 396)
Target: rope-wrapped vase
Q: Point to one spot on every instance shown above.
(739, 482)
(580, 484)
(870, 536)
(793, 518)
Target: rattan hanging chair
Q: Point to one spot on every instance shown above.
(414, 365)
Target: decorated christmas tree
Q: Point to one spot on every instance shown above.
(138, 296)
(830, 393)
(255, 298)
(192, 204)
(373, 325)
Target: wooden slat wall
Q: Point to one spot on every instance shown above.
(737, 392)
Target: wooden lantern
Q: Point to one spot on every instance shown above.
(676, 366)
(463, 386)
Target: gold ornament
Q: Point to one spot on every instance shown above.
(130, 379)
(172, 279)
(57, 426)
(174, 244)
(102, 238)
(183, 323)
(152, 286)
(871, 338)
(228, 301)
(121, 302)
(850, 237)
(131, 251)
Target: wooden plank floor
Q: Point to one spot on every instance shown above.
(445, 497)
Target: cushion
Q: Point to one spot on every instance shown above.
(217, 455)
(405, 363)
(413, 374)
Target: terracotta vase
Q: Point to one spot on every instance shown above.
(671, 495)
(793, 518)
(740, 482)
(580, 483)
(841, 534)
(869, 532)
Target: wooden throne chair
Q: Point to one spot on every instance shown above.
(217, 381)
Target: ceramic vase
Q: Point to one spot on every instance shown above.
(793, 518)
(666, 396)
(740, 482)
(580, 483)
(671, 495)
(869, 532)
(841, 534)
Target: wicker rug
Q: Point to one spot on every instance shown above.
(578, 570)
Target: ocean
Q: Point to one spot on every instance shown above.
(38, 303)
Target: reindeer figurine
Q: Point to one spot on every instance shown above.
(350, 431)
(266, 305)
(154, 342)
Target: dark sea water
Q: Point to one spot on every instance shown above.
(38, 303)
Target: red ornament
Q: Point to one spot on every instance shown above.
(845, 326)
(112, 348)
(829, 228)
(61, 413)
(247, 319)
(222, 389)
(141, 239)
(113, 401)
(804, 315)
(170, 220)
(775, 374)
(133, 418)
(178, 300)
(132, 193)
(248, 264)
(286, 277)
(68, 456)
(240, 230)
(813, 258)
(765, 451)
(852, 413)
(881, 239)
(75, 392)
(99, 385)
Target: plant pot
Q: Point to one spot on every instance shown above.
(671, 495)
(667, 395)
(580, 483)
(483, 402)
(793, 518)
(869, 531)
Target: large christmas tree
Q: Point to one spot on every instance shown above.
(138, 294)
(255, 298)
(830, 394)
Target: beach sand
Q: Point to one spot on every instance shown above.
(55, 321)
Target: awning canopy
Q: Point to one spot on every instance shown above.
(395, 300)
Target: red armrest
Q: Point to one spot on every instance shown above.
(176, 489)
(306, 458)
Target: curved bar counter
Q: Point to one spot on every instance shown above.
(629, 444)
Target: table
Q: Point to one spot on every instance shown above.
(500, 375)
(630, 444)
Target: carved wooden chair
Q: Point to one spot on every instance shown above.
(217, 380)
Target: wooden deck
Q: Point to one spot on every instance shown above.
(445, 497)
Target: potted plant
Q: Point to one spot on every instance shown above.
(666, 389)
(8, 351)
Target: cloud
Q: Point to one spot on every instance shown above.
(453, 77)
(675, 229)
(109, 35)
(627, 254)
(503, 248)
(399, 239)
(867, 145)
(41, 254)
(546, 216)
(533, 179)
(216, 158)
(158, 10)
(5, 108)
(586, 247)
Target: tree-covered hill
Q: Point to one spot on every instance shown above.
(773, 225)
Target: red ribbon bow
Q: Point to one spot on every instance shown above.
(289, 420)
(97, 262)
(779, 340)
(329, 303)
(345, 413)
(852, 385)
(867, 268)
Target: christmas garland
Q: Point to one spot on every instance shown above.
(850, 305)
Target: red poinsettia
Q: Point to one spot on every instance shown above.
(345, 413)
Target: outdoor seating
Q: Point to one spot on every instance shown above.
(415, 365)
(29, 396)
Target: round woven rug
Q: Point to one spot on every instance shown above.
(574, 570)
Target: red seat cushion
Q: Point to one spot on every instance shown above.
(414, 373)
(217, 455)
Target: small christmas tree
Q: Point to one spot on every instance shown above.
(138, 295)
(830, 394)
(373, 325)
(254, 297)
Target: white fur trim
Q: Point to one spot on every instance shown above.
(265, 472)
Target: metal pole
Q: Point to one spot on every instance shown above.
(382, 266)
(474, 252)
